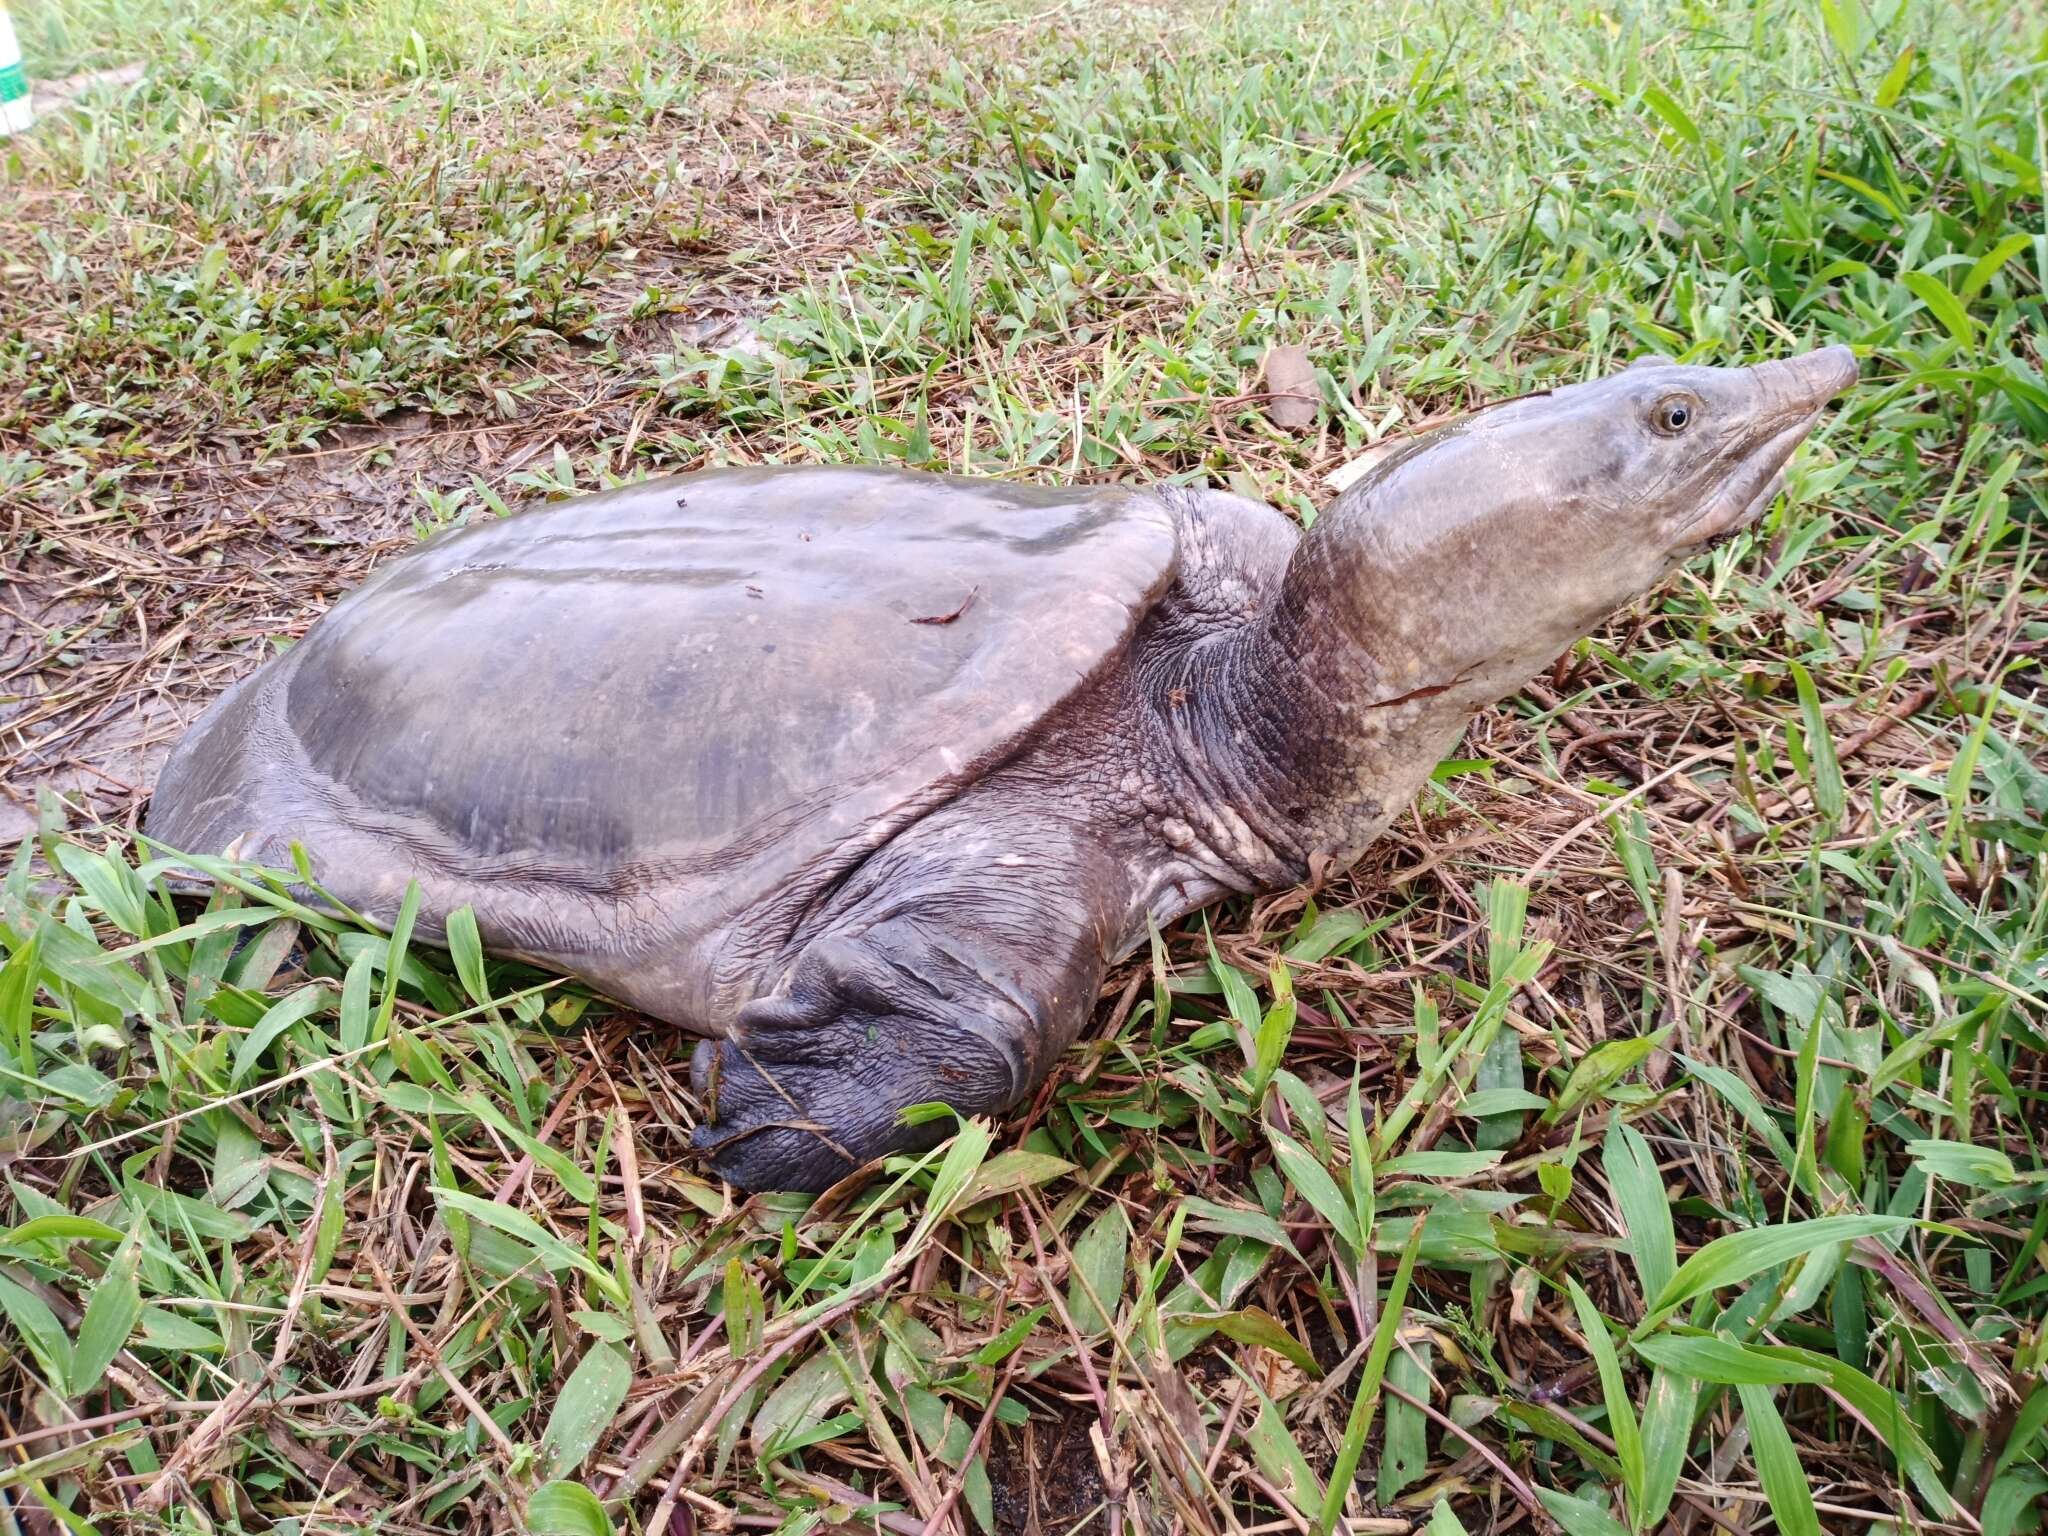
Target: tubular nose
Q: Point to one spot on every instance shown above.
(1809, 381)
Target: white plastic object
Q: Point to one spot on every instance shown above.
(15, 111)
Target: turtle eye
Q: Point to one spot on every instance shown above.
(1674, 413)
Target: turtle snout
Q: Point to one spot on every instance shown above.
(1802, 385)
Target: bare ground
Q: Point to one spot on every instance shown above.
(119, 624)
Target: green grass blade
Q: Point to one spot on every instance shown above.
(1733, 1258)
(1645, 1212)
(110, 1317)
(1721, 1361)
(1621, 1413)
(1777, 1464)
(566, 1509)
(1315, 1185)
(584, 1410)
(1365, 1401)
(1667, 1433)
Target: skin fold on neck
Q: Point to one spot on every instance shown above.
(1295, 738)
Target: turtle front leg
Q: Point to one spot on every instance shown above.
(813, 1081)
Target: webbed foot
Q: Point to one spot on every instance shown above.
(813, 1084)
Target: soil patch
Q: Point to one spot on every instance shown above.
(1044, 1479)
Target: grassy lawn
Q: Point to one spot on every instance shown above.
(1649, 1136)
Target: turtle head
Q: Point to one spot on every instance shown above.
(1477, 553)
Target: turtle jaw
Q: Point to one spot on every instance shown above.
(1747, 495)
(1789, 396)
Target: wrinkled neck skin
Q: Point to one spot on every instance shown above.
(1299, 734)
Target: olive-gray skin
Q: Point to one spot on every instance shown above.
(867, 776)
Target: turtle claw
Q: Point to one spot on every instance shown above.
(812, 1083)
(772, 1127)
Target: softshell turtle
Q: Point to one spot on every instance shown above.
(866, 776)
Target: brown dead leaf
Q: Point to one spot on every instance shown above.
(1279, 1377)
(1292, 401)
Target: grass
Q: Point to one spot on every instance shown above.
(1648, 1136)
